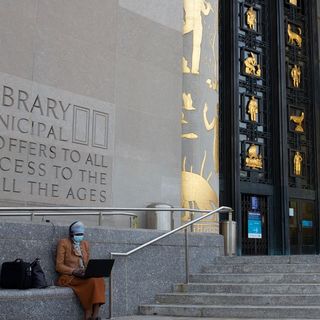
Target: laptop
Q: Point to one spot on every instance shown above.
(98, 268)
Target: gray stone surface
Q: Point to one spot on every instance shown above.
(126, 54)
(136, 279)
(148, 100)
(35, 304)
(236, 293)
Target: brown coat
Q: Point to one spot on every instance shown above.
(67, 260)
(90, 291)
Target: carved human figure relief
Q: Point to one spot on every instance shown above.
(251, 18)
(251, 65)
(296, 76)
(253, 109)
(214, 125)
(297, 164)
(193, 23)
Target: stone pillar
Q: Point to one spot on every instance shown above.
(199, 117)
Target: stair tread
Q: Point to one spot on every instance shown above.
(241, 294)
(162, 305)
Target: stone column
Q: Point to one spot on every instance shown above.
(199, 117)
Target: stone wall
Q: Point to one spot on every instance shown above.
(137, 278)
(118, 64)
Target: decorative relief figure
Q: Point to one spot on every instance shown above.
(298, 121)
(296, 76)
(196, 190)
(297, 161)
(253, 160)
(213, 83)
(190, 136)
(293, 2)
(193, 22)
(187, 105)
(183, 121)
(294, 38)
(187, 102)
(251, 65)
(215, 127)
(185, 68)
(251, 18)
(253, 109)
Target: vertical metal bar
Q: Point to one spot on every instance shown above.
(130, 222)
(110, 293)
(230, 235)
(186, 254)
(32, 216)
(100, 218)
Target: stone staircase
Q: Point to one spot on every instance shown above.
(261, 287)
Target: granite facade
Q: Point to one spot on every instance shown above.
(137, 278)
(124, 54)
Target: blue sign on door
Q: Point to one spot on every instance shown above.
(254, 225)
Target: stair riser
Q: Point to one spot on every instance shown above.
(263, 278)
(267, 268)
(305, 259)
(250, 289)
(258, 313)
(240, 300)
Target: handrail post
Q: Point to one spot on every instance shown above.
(32, 216)
(186, 254)
(100, 218)
(230, 234)
(110, 293)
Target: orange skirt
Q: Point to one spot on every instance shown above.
(89, 291)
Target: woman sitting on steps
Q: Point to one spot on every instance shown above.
(72, 259)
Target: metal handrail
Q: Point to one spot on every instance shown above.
(89, 211)
(185, 227)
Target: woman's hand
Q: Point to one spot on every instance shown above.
(78, 272)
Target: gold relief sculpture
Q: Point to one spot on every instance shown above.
(296, 76)
(293, 2)
(190, 136)
(253, 159)
(253, 109)
(193, 23)
(251, 18)
(183, 121)
(196, 190)
(185, 68)
(297, 161)
(298, 121)
(187, 102)
(294, 38)
(251, 65)
(214, 125)
(212, 84)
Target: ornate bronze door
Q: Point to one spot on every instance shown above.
(270, 121)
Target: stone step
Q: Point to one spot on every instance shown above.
(294, 259)
(255, 278)
(262, 268)
(146, 317)
(245, 288)
(239, 299)
(245, 312)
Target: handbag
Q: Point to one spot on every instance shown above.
(38, 278)
(19, 274)
(16, 275)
